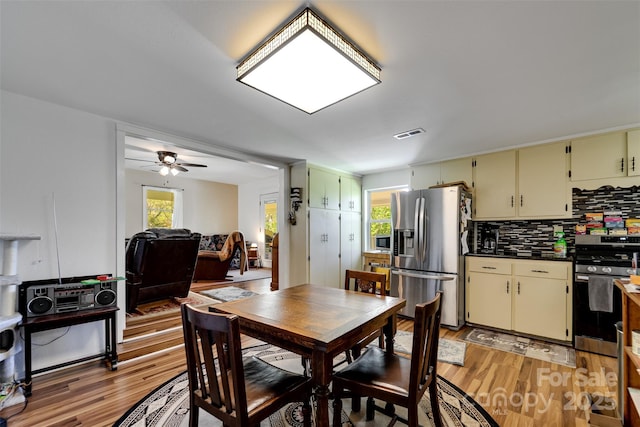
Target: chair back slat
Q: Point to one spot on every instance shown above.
(366, 281)
(424, 354)
(214, 354)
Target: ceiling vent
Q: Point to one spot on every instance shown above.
(408, 134)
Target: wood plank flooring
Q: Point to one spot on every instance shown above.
(515, 390)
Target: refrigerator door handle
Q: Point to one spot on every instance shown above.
(423, 227)
(422, 275)
(418, 231)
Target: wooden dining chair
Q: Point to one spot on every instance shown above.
(238, 391)
(395, 379)
(369, 282)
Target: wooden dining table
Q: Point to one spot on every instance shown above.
(318, 323)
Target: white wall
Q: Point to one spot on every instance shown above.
(386, 179)
(47, 151)
(249, 220)
(209, 207)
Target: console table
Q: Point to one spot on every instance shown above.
(53, 321)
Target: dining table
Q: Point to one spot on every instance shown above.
(318, 323)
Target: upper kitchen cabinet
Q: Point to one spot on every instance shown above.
(604, 156)
(424, 176)
(350, 194)
(456, 170)
(633, 152)
(542, 181)
(495, 185)
(324, 189)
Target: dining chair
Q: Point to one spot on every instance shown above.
(369, 282)
(395, 379)
(238, 391)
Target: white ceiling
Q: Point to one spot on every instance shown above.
(478, 76)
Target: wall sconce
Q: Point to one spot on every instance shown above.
(296, 197)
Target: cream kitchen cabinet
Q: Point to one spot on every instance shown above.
(542, 298)
(324, 247)
(528, 183)
(350, 194)
(350, 242)
(610, 155)
(495, 185)
(324, 189)
(525, 296)
(426, 176)
(542, 182)
(488, 292)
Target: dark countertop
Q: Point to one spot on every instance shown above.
(516, 255)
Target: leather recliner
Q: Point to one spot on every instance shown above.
(160, 264)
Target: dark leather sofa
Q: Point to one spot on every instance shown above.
(160, 264)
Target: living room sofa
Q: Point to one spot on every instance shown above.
(218, 254)
(160, 264)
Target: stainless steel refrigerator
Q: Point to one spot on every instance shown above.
(430, 235)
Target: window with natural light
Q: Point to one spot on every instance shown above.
(162, 207)
(379, 214)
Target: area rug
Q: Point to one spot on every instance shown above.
(449, 351)
(527, 347)
(228, 293)
(169, 305)
(168, 405)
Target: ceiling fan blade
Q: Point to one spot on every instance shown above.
(180, 168)
(194, 165)
(140, 160)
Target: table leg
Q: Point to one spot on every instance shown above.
(27, 362)
(389, 332)
(321, 371)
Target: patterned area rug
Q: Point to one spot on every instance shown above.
(229, 293)
(528, 347)
(168, 405)
(169, 305)
(449, 351)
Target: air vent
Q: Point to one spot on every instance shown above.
(408, 134)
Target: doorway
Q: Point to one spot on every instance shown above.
(269, 226)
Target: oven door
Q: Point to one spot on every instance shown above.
(594, 331)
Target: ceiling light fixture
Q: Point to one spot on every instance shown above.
(174, 171)
(309, 65)
(164, 170)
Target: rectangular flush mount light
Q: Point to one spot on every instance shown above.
(308, 65)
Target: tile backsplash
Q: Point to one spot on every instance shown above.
(535, 237)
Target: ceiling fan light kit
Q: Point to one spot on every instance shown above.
(309, 65)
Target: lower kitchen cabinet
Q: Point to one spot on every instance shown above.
(526, 296)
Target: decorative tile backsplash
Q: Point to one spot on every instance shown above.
(535, 237)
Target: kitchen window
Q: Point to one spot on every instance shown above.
(378, 222)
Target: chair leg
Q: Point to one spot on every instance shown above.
(435, 404)
(306, 412)
(193, 415)
(356, 405)
(337, 409)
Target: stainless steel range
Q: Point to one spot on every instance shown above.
(596, 300)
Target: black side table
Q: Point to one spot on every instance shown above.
(53, 321)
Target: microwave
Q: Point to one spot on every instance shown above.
(383, 243)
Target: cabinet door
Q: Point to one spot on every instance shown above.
(350, 242)
(350, 194)
(425, 176)
(495, 185)
(324, 247)
(542, 179)
(457, 170)
(489, 300)
(540, 307)
(324, 189)
(633, 153)
(599, 156)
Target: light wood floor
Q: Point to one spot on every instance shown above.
(515, 390)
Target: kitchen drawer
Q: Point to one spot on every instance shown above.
(489, 265)
(542, 269)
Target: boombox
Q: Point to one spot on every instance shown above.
(40, 299)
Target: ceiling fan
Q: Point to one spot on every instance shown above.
(168, 162)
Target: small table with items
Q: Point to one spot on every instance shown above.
(54, 321)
